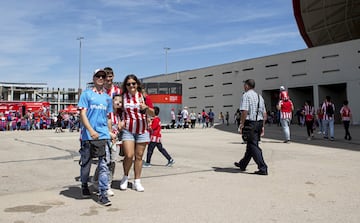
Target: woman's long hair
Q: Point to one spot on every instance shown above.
(131, 76)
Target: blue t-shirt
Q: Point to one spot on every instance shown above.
(97, 106)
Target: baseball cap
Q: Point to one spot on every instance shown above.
(99, 71)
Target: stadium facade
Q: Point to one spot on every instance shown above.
(330, 66)
(309, 74)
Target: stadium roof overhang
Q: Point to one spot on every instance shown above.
(324, 22)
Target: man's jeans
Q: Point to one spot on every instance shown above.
(328, 125)
(86, 165)
(285, 123)
(321, 125)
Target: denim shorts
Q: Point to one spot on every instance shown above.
(138, 138)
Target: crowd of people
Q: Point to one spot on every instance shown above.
(323, 118)
(15, 121)
(184, 119)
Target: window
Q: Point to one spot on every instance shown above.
(152, 90)
(330, 71)
(298, 61)
(228, 83)
(227, 94)
(248, 69)
(329, 56)
(272, 65)
(209, 75)
(227, 72)
(163, 90)
(173, 90)
(209, 96)
(210, 85)
(193, 107)
(191, 78)
(271, 78)
(192, 97)
(227, 106)
(177, 80)
(190, 88)
(209, 106)
(298, 75)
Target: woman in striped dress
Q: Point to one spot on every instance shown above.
(135, 129)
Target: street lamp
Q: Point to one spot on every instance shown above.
(166, 62)
(80, 38)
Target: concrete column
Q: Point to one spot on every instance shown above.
(316, 96)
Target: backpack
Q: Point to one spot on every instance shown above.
(329, 109)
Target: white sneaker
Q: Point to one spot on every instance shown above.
(137, 186)
(124, 183)
(109, 192)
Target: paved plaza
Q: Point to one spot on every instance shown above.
(308, 181)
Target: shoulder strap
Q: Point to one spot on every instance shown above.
(257, 111)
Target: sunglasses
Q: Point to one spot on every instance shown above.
(132, 83)
(100, 76)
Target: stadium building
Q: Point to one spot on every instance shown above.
(330, 66)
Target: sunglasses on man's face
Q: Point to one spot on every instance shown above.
(100, 76)
(132, 83)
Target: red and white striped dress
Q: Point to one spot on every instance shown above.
(135, 122)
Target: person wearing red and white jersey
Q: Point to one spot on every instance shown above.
(111, 89)
(136, 109)
(155, 141)
(286, 108)
(345, 113)
(309, 113)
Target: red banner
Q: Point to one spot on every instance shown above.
(166, 98)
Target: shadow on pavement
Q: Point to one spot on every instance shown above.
(72, 192)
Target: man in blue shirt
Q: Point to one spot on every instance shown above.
(95, 105)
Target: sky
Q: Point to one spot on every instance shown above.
(39, 38)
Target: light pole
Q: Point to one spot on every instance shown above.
(166, 62)
(80, 38)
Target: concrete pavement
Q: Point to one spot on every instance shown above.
(308, 181)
